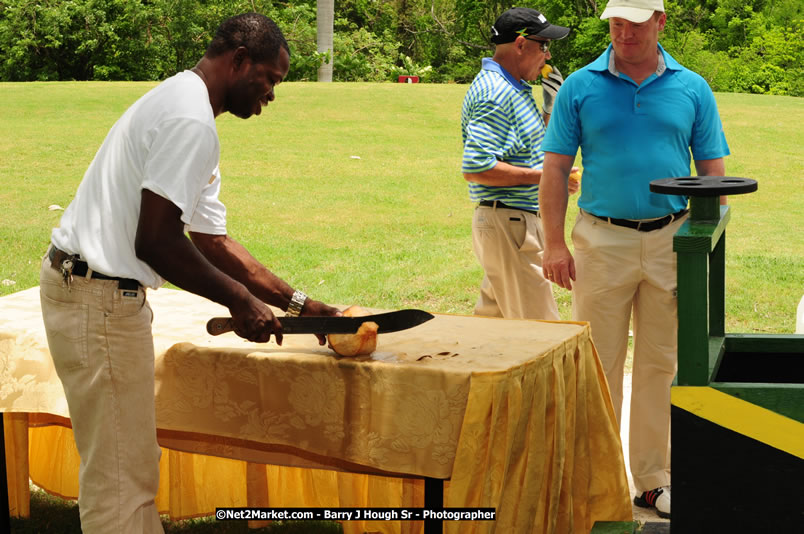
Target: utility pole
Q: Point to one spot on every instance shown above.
(325, 15)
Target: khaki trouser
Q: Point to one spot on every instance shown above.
(509, 245)
(620, 270)
(101, 343)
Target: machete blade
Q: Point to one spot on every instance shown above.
(387, 322)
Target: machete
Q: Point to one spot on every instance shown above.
(388, 322)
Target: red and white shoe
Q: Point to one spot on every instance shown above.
(658, 498)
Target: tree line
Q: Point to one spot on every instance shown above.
(752, 46)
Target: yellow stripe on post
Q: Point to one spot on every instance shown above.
(742, 417)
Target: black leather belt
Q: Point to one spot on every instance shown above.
(643, 226)
(499, 204)
(80, 268)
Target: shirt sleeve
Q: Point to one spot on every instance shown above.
(209, 217)
(708, 139)
(182, 167)
(489, 136)
(563, 131)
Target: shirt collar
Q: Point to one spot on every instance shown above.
(490, 64)
(606, 62)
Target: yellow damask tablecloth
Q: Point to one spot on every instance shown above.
(516, 414)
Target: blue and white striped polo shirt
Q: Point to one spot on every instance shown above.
(501, 122)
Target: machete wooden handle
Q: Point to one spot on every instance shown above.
(220, 325)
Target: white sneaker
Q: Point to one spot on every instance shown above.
(658, 498)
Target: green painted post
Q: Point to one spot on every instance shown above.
(704, 208)
(717, 288)
(700, 248)
(693, 319)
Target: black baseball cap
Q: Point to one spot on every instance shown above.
(524, 21)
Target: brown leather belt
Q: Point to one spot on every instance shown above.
(80, 268)
(643, 226)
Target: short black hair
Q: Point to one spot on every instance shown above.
(259, 34)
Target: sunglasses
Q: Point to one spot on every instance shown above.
(545, 45)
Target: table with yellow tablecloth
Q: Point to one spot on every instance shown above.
(515, 414)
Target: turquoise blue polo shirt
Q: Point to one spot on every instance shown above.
(631, 134)
(500, 121)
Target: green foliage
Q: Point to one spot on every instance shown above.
(361, 55)
(365, 47)
(752, 46)
(409, 68)
(298, 23)
(79, 40)
(587, 42)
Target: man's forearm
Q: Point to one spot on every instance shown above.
(553, 211)
(504, 175)
(236, 261)
(558, 264)
(161, 243)
(712, 167)
(553, 197)
(176, 260)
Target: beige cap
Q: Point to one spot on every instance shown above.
(633, 10)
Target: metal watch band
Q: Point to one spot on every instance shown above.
(296, 304)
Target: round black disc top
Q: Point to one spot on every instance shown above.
(703, 186)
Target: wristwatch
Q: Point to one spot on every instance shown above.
(296, 304)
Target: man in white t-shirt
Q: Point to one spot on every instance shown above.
(155, 177)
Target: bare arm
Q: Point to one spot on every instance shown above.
(712, 167)
(228, 255)
(161, 243)
(505, 174)
(558, 264)
(232, 258)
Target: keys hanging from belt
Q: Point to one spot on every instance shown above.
(67, 269)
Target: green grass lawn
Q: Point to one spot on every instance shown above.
(353, 193)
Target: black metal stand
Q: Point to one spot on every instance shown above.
(433, 500)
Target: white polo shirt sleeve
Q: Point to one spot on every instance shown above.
(209, 216)
(182, 167)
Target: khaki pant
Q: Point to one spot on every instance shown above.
(620, 271)
(101, 343)
(509, 245)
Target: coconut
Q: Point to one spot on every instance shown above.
(362, 343)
